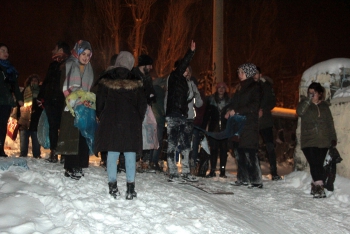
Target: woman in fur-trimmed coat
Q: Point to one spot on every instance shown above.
(120, 109)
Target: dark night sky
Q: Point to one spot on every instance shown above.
(31, 27)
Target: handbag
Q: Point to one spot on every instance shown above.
(12, 128)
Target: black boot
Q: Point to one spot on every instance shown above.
(211, 174)
(62, 159)
(319, 192)
(222, 172)
(53, 157)
(113, 189)
(130, 193)
(2, 152)
(313, 189)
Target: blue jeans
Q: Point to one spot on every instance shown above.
(130, 166)
(24, 142)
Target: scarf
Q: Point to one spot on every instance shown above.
(11, 73)
(59, 57)
(29, 93)
(75, 79)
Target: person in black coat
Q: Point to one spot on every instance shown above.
(179, 132)
(246, 102)
(51, 96)
(120, 108)
(142, 72)
(215, 118)
(268, 102)
(8, 89)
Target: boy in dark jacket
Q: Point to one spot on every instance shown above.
(179, 133)
(268, 102)
(51, 95)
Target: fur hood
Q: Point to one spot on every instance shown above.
(121, 84)
(120, 78)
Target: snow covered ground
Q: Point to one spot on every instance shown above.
(42, 200)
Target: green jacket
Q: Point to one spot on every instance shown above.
(317, 126)
(6, 90)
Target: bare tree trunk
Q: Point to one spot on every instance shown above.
(218, 39)
(101, 24)
(140, 10)
(176, 35)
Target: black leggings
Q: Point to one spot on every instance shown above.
(315, 157)
(215, 147)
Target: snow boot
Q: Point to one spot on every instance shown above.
(2, 152)
(251, 186)
(222, 172)
(276, 177)
(113, 189)
(319, 192)
(176, 178)
(189, 178)
(53, 157)
(62, 159)
(156, 167)
(239, 183)
(211, 174)
(103, 164)
(313, 189)
(130, 192)
(77, 173)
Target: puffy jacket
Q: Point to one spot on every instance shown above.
(317, 126)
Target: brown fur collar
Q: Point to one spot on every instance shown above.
(121, 84)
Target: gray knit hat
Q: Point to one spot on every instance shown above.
(249, 69)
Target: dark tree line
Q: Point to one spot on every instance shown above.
(163, 29)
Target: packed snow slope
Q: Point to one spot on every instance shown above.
(42, 200)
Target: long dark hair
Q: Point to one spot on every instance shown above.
(318, 88)
(30, 78)
(2, 44)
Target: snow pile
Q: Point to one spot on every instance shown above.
(42, 200)
(333, 74)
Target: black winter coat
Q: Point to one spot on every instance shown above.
(213, 115)
(8, 87)
(246, 101)
(51, 88)
(120, 108)
(147, 85)
(268, 102)
(177, 103)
